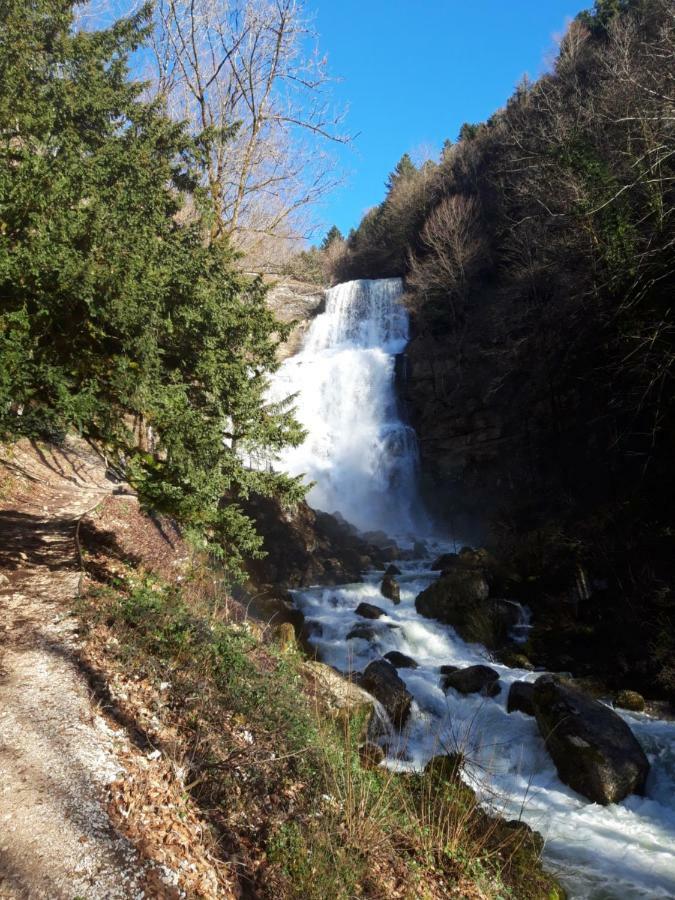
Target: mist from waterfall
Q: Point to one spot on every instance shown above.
(362, 457)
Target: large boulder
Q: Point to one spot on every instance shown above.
(362, 632)
(467, 558)
(593, 749)
(390, 589)
(473, 680)
(460, 598)
(521, 698)
(380, 680)
(337, 696)
(304, 546)
(369, 611)
(400, 660)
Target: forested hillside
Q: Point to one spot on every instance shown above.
(538, 257)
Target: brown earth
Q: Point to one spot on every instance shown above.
(70, 775)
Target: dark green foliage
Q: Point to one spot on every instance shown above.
(468, 131)
(604, 12)
(404, 169)
(115, 318)
(334, 235)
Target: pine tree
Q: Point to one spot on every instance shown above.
(404, 168)
(112, 313)
(334, 234)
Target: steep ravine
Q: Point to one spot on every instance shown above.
(344, 376)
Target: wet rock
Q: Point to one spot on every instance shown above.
(448, 670)
(473, 680)
(380, 680)
(457, 586)
(390, 589)
(311, 629)
(447, 766)
(593, 749)
(369, 611)
(363, 632)
(420, 550)
(630, 700)
(460, 598)
(524, 832)
(444, 561)
(392, 571)
(387, 549)
(516, 660)
(521, 698)
(400, 660)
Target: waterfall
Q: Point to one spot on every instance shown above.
(363, 460)
(361, 457)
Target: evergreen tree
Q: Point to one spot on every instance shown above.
(405, 168)
(334, 234)
(115, 318)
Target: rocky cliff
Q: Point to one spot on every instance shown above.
(298, 302)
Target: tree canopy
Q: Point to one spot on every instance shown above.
(118, 315)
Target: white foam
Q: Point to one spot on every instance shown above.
(364, 460)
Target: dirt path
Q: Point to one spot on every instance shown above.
(57, 754)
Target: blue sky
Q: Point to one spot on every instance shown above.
(412, 71)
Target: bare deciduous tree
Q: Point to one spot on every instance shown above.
(453, 246)
(239, 72)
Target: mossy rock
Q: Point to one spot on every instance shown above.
(285, 636)
(521, 848)
(630, 700)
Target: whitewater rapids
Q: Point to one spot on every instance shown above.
(363, 460)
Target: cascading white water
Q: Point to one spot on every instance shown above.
(364, 461)
(361, 456)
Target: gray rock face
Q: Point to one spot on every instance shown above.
(521, 698)
(473, 680)
(380, 680)
(297, 302)
(369, 611)
(400, 660)
(594, 751)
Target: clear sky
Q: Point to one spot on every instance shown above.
(412, 71)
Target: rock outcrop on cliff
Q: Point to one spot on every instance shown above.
(298, 302)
